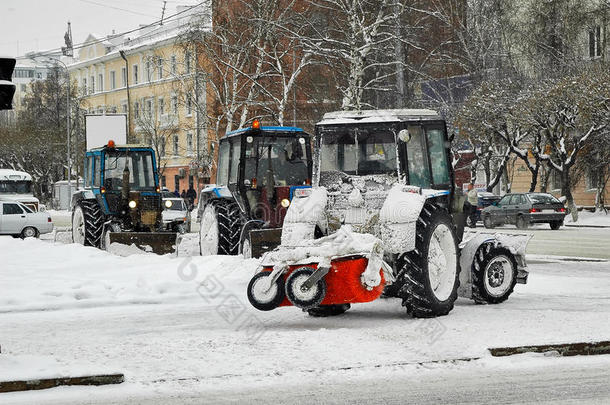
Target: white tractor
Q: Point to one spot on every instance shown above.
(388, 173)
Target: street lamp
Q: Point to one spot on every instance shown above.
(67, 121)
(122, 53)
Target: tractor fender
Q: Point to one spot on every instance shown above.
(303, 215)
(211, 192)
(398, 218)
(472, 241)
(79, 196)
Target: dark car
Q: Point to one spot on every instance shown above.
(523, 209)
(485, 199)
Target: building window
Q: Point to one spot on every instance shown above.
(92, 84)
(23, 87)
(173, 64)
(135, 74)
(162, 147)
(555, 180)
(161, 107)
(187, 62)
(148, 72)
(189, 143)
(124, 108)
(163, 181)
(177, 183)
(85, 90)
(100, 79)
(136, 110)
(175, 104)
(595, 42)
(191, 182)
(189, 106)
(175, 145)
(159, 69)
(124, 77)
(112, 80)
(149, 107)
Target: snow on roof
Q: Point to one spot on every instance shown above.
(364, 116)
(9, 174)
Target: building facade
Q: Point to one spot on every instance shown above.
(151, 77)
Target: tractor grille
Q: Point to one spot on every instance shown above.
(150, 203)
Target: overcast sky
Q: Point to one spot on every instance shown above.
(35, 25)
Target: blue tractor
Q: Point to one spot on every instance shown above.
(120, 201)
(259, 171)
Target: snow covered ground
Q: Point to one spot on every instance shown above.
(586, 218)
(183, 324)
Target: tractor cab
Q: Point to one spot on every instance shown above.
(262, 167)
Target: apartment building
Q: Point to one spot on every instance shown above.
(151, 76)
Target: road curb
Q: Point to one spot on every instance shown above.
(46, 383)
(586, 226)
(564, 349)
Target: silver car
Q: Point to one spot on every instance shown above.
(176, 216)
(18, 220)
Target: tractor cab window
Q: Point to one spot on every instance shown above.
(419, 172)
(438, 155)
(358, 151)
(276, 161)
(140, 166)
(222, 174)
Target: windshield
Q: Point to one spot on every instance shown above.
(283, 158)
(542, 198)
(358, 151)
(177, 205)
(141, 170)
(16, 187)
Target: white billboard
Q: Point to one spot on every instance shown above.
(102, 128)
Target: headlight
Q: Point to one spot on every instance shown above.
(168, 204)
(285, 203)
(132, 204)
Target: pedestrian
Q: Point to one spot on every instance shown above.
(191, 195)
(183, 194)
(470, 206)
(176, 193)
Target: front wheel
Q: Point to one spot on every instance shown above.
(220, 228)
(494, 274)
(430, 274)
(301, 297)
(487, 222)
(87, 224)
(263, 296)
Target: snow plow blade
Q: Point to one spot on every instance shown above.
(156, 242)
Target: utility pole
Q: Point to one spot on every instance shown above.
(122, 53)
(163, 13)
(197, 123)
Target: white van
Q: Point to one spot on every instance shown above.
(17, 186)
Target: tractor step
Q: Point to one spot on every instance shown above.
(156, 242)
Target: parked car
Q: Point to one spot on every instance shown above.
(485, 199)
(18, 220)
(176, 215)
(523, 209)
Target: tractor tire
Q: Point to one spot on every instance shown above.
(220, 228)
(555, 225)
(494, 274)
(87, 224)
(324, 311)
(429, 275)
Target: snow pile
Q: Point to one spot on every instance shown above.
(29, 367)
(39, 275)
(302, 216)
(599, 218)
(398, 218)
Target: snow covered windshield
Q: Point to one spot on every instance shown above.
(141, 170)
(358, 151)
(16, 187)
(283, 157)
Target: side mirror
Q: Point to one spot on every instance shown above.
(404, 135)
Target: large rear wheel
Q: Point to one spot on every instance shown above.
(494, 274)
(429, 275)
(220, 228)
(87, 224)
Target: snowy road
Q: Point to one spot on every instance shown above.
(175, 338)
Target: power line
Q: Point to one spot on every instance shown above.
(115, 8)
(50, 52)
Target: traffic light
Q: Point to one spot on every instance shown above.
(7, 88)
